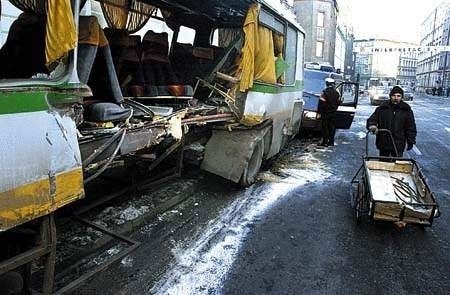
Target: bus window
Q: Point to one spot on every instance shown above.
(291, 54)
(285, 47)
(186, 35)
(23, 52)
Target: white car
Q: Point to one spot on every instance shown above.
(379, 95)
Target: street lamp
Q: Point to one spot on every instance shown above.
(446, 53)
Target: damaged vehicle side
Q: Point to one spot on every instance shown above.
(77, 99)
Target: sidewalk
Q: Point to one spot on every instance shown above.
(431, 96)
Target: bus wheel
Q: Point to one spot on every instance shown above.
(249, 175)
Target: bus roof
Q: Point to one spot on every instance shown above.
(230, 12)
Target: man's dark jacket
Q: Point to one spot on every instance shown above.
(332, 100)
(397, 118)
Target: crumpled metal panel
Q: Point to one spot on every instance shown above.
(227, 153)
(40, 165)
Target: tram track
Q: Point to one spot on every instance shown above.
(93, 234)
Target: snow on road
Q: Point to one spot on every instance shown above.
(202, 266)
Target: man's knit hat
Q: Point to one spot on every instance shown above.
(396, 89)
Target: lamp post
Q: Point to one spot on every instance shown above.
(444, 68)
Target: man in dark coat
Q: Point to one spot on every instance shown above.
(328, 104)
(396, 116)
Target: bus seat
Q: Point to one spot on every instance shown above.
(23, 54)
(194, 61)
(125, 50)
(158, 71)
(106, 112)
(131, 71)
(95, 68)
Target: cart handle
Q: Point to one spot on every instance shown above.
(381, 130)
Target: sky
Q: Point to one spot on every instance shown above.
(398, 20)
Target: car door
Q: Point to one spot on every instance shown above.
(348, 94)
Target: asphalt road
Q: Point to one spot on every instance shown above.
(294, 231)
(308, 242)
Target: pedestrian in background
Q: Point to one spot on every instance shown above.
(328, 104)
(398, 117)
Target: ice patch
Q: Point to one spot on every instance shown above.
(100, 259)
(112, 251)
(131, 213)
(361, 135)
(447, 129)
(202, 267)
(127, 261)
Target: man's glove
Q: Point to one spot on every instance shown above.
(410, 146)
(373, 129)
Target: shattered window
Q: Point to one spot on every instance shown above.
(291, 54)
(23, 46)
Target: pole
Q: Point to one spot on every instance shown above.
(444, 68)
(431, 53)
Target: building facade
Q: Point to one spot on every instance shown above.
(407, 69)
(380, 60)
(339, 50)
(319, 19)
(433, 66)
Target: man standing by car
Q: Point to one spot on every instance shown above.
(328, 104)
(396, 116)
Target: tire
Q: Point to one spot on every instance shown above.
(254, 164)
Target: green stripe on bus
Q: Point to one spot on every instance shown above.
(274, 89)
(21, 102)
(12, 102)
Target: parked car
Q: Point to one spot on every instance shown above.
(379, 95)
(408, 93)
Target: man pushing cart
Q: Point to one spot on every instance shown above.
(390, 187)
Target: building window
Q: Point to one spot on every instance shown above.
(319, 49)
(321, 19)
(320, 33)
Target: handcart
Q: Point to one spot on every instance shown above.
(392, 189)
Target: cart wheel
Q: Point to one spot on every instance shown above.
(360, 201)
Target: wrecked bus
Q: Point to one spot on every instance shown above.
(77, 99)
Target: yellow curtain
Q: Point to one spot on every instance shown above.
(61, 35)
(265, 59)
(247, 63)
(278, 41)
(257, 59)
(90, 32)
